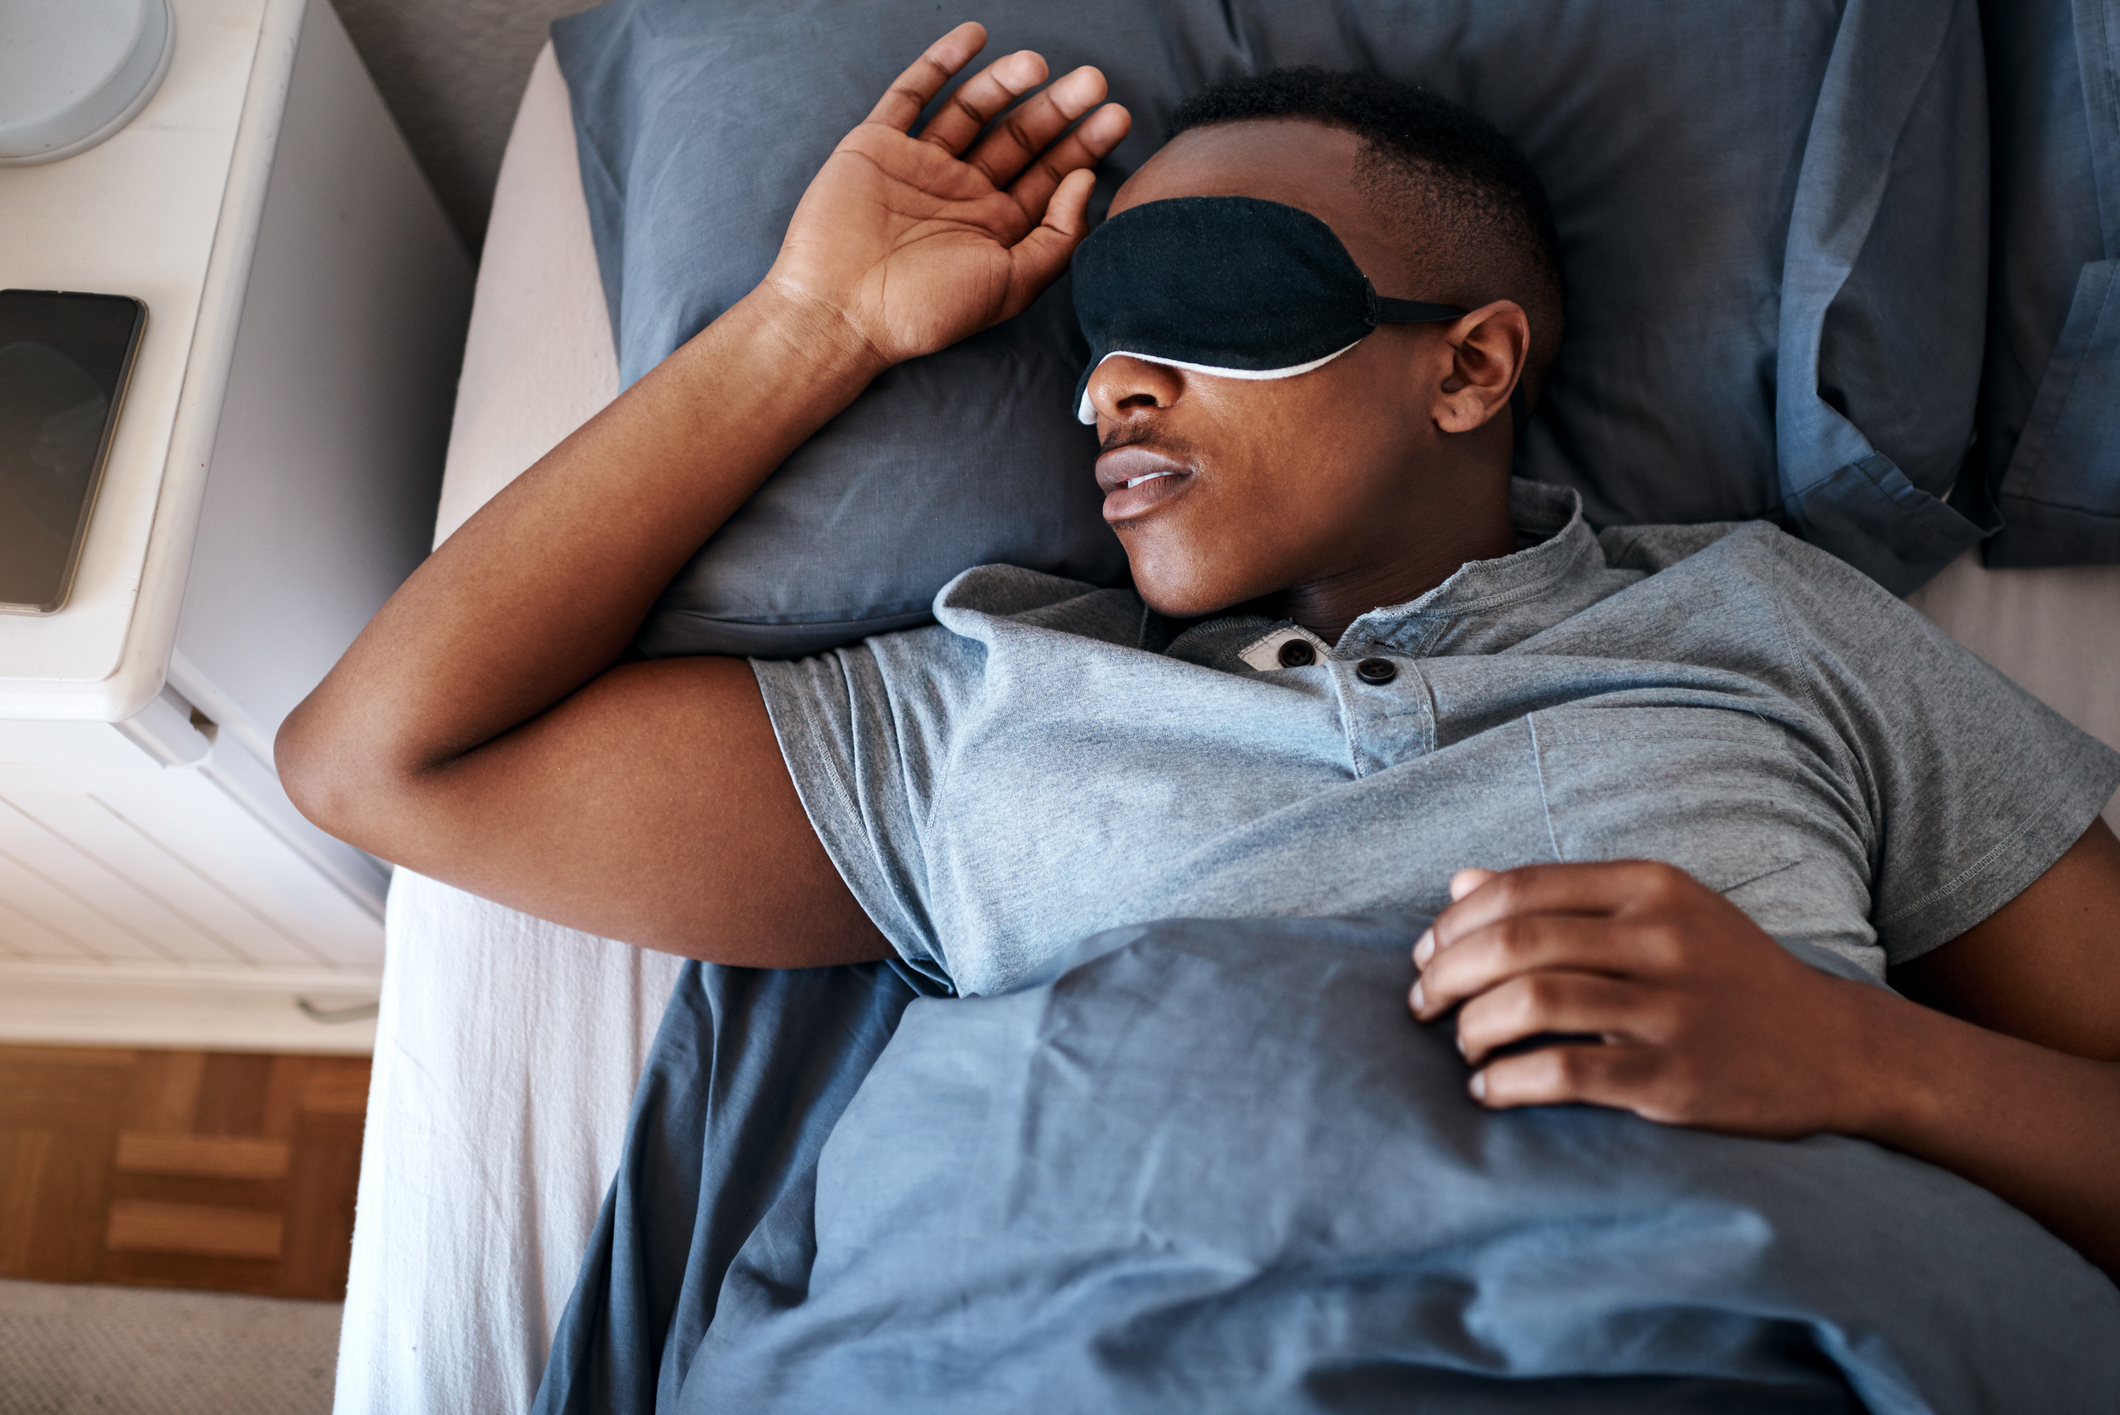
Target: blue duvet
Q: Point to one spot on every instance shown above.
(1214, 1166)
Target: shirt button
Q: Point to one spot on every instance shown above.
(1376, 670)
(1297, 653)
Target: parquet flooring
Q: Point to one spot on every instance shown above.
(228, 1171)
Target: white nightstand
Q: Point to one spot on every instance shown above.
(273, 478)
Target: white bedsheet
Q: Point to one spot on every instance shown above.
(507, 1048)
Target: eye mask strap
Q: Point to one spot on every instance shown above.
(1388, 311)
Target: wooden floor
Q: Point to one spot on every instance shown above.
(227, 1171)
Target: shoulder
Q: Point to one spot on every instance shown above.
(1752, 598)
(992, 603)
(1811, 594)
(996, 627)
(1657, 548)
(1754, 549)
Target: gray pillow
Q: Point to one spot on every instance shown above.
(1774, 219)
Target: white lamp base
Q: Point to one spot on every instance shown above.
(72, 72)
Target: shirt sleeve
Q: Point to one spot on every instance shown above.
(862, 768)
(1973, 786)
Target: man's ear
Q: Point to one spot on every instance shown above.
(1487, 349)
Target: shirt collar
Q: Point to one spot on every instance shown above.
(1484, 606)
(1557, 546)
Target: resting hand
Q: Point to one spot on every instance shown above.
(917, 243)
(1700, 1018)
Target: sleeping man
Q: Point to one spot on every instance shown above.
(1671, 794)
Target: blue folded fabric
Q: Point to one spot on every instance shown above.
(1774, 219)
(2050, 398)
(749, 1072)
(1215, 1166)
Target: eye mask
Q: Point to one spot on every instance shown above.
(1231, 286)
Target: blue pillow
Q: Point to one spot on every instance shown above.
(1774, 219)
(2050, 400)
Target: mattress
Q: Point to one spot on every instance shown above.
(507, 1048)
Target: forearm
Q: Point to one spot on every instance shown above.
(2037, 1127)
(546, 585)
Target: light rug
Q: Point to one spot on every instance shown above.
(146, 1351)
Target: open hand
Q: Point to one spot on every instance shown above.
(1689, 1013)
(917, 243)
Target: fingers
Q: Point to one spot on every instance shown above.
(1465, 881)
(1085, 147)
(1513, 947)
(1603, 888)
(1023, 137)
(984, 97)
(1561, 1002)
(915, 89)
(1024, 132)
(1618, 1075)
(1038, 259)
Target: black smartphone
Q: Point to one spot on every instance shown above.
(65, 359)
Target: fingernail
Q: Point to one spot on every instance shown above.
(1419, 1002)
(1461, 1043)
(1424, 948)
(1479, 1085)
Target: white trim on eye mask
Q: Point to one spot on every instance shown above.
(1084, 413)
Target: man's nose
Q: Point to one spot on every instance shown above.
(1123, 386)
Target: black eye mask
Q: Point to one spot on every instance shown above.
(1232, 286)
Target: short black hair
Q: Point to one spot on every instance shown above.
(1421, 151)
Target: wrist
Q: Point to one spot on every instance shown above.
(817, 330)
(1886, 1091)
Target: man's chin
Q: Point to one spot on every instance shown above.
(1181, 597)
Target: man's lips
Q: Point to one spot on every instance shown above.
(1136, 478)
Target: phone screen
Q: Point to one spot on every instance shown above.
(64, 360)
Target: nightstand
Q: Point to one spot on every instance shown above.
(272, 479)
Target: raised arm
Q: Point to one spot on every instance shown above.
(478, 730)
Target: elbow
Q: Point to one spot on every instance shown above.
(321, 769)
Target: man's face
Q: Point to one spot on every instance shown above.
(1324, 479)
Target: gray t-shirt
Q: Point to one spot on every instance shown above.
(1050, 760)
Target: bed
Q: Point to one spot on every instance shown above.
(508, 1048)
(495, 1136)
